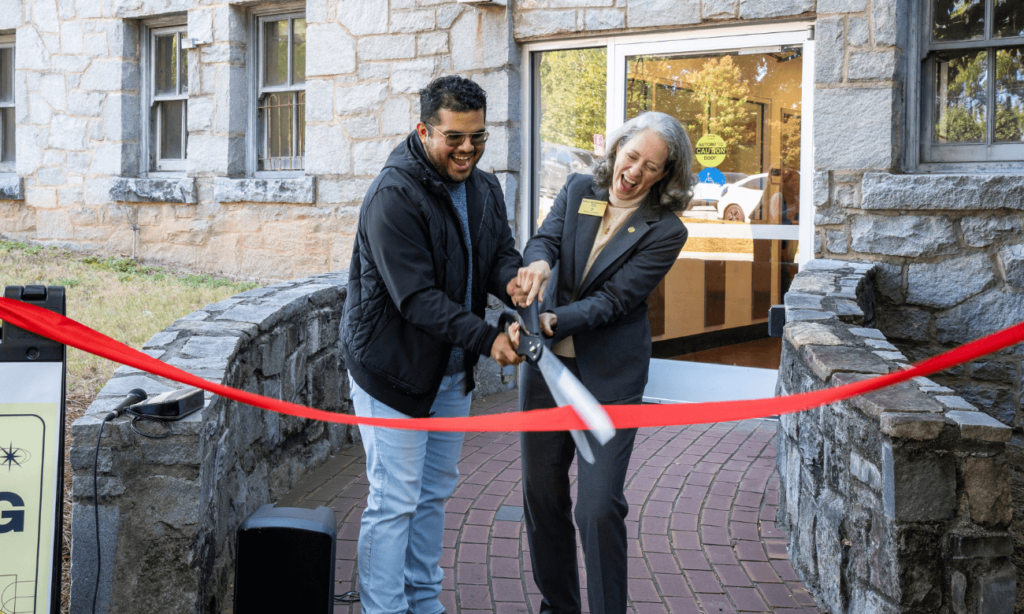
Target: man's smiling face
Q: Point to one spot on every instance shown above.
(453, 163)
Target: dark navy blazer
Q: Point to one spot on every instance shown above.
(606, 313)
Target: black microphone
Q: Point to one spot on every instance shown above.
(135, 395)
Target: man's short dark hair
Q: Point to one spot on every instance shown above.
(453, 93)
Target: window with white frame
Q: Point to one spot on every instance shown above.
(971, 81)
(167, 104)
(282, 96)
(7, 103)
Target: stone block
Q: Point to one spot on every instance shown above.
(369, 156)
(917, 426)
(908, 323)
(12, 187)
(947, 283)
(501, 87)
(412, 76)
(979, 316)
(431, 43)
(865, 471)
(799, 300)
(327, 151)
(595, 20)
(363, 127)
(395, 117)
(360, 98)
(828, 50)
(943, 192)
(481, 40)
(987, 485)
(835, 241)
(799, 334)
(390, 47)
(298, 190)
(825, 361)
(153, 190)
(412, 21)
(889, 20)
(352, 191)
(1011, 258)
(977, 546)
(875, 145)
(902, 397)
(331, 51)
(540, 23)
(832, 552)
(917, 486)
(997, 590)
(363, 17)
(84, 553)
(905, 235)
(872, 66)
(984, 231)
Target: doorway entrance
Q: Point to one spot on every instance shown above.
(744, 97)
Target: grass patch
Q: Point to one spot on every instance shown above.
(119, 297)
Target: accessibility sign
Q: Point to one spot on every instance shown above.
(710, 150)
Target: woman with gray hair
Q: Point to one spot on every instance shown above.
(610, 239)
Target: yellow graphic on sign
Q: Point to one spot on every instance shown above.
(710, 150)
(589, 206)
(26, 506)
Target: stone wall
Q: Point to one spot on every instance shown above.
(538, 19)
(169, 507)
(79, 127)
(897, 501)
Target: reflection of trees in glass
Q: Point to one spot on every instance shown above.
(957, 20)
(961, 96)
(789, 134)
(709, 100)
(573, 83)
(963, 101)
(1010, 95)
(1009, 18)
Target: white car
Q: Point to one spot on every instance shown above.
(707, 194)
(740, 199)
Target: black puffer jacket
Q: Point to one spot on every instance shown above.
(407, 280)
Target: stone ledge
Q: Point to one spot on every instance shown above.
(12, 187)
(153, 190)
(297, 190)
(934, 192)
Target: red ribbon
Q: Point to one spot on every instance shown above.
(69, 332)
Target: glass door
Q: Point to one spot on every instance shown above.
(745, 101)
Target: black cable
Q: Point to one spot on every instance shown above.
(136, 418)
(96, 506)
(349, 597)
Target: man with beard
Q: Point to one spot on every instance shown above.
(432, 242)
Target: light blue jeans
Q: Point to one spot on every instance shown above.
(411, 474)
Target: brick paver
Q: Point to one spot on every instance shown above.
(701, 531)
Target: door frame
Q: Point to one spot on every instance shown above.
(697, 41)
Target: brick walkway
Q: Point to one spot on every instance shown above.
(702, 537)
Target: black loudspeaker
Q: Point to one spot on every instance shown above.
(285, 561)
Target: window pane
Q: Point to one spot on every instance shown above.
(1009, 18)
(171, 112)
(573, 86)
(165, 70)
(960, 96)
(1010, 95)
(276, 53)
(7, 74)
(300, 135)
(299, 51)
(958, 20)
(7, 121)
(277, 118)
(184, 66)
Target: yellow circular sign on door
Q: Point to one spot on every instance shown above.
(710, 150)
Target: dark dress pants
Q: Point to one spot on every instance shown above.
(600, 509)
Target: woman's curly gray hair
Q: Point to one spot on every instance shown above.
(675, 189)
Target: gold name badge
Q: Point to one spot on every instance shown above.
(589, 206)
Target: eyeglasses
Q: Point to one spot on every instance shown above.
(454, 139)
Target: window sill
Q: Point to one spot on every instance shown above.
(12, 187)
(297, 190)
(942, 192)
(154, 190)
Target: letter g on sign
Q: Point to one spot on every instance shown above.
(15, 518)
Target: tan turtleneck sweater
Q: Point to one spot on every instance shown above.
(615, 216)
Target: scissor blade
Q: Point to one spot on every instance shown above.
(567, 390)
